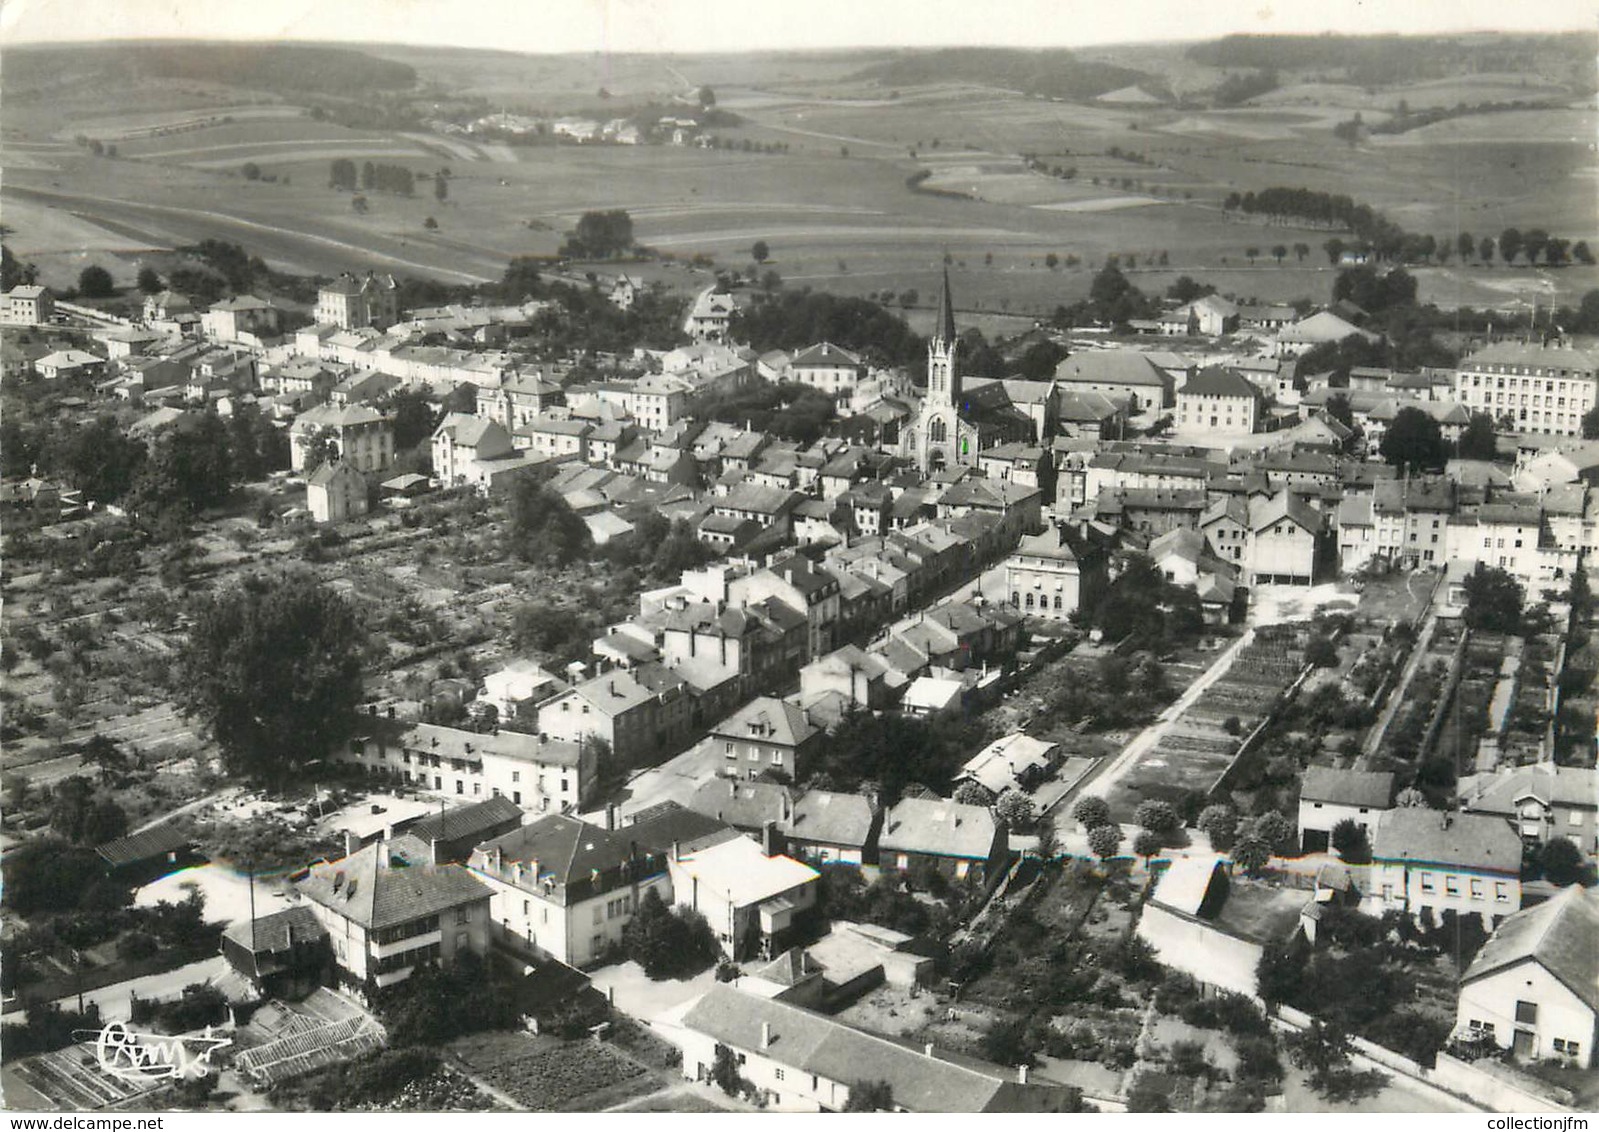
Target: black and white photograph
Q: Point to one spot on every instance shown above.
(876, 556)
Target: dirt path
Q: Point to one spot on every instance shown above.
(1396, 698)
(1149, 738)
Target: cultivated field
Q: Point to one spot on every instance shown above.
(835, 207)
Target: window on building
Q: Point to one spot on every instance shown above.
(463, 915)
(1527, 1013)
(777, 1074)
(1426, 882)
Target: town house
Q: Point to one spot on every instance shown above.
(384, 922)
(565, 889)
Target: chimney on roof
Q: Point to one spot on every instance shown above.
(769, 839)
(352, 843)
(610, 816)
(433, 851)
(928, 1049)
(677, 850)
(1021, 1074)
(766, 1035)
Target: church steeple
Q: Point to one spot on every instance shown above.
(943, 379)
(945, 330)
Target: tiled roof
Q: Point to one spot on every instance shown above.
(1560, 935)
(1475, 841)
(468, 821)
(831, 818)
(363, 889)
(779, 722)
(815, 1044)
(1219, 381)
(1372, 789)
(1118, 367)
(157, 841)
(563, 847)
(948, 829)
(277, 931)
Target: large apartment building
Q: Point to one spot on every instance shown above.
(1528, 387)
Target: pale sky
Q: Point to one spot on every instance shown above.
(731, 25)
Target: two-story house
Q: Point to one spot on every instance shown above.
(766, 736)
(1425, 863)
(384, 922)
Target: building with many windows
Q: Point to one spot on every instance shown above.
(1527, 387)
(539, 774)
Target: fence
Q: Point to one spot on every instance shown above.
(1483, 1083)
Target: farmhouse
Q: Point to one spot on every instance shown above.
(1533, 989)
(1328, 796)
(1426, 863)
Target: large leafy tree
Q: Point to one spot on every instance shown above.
(272, 668)
(1477, 442)
(1493, 600)
(668, 942)
(1413, 441)
(544, 528)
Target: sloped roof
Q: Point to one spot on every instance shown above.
(1184, 886)
(1118, 367)
(363, 889)
(1547, 782)
(781, 723)
(1324, 326)
(157, 841)
(1475, 841)
(1219, 381)
(825, 354)
(1560, 935)
(747, 805)
(831, 818)
(1284, 505)
(1372, 789)
(813, 1043)
(936, 826)
(740, 869)
(468, 821)
(661, 826)
(565, 848)
(278, 931)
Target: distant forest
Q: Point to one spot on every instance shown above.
(1384, 59)
(1051, 74)
(287, 68)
